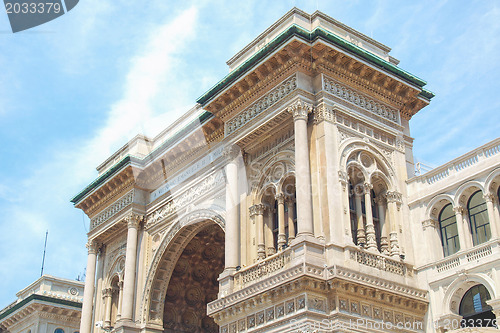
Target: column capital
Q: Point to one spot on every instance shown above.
(257, 209)
(459, 210)
(92, 247)
(280, 197)
(300, 109)
(489, 197)
(430, 223)
(367, 187)
(343, 177)
(230, 152)
(108, 292)
(133, 220)
(393, 196)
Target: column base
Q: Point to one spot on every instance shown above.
(126, 325)
(226, 282)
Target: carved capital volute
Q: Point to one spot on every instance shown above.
(92, 247)
(343, 178)
(367, 187)
(459, 210)
(280, 197)
(300, 110)
(394, 196)
(430, 223)
(489, 197)
(230, 152)
(257, 209)
(133, 220)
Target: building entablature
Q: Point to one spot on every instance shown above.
(312, 53)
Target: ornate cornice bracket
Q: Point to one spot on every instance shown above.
(430, 223)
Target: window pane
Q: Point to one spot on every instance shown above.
(449, 230)
(478, 218)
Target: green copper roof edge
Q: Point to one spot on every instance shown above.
(128, 158)
(427, 94)
(299, 31)
(39, 298)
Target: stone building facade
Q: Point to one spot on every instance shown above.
(48, 305)
(286, 201)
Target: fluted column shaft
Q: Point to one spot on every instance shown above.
(291, 218)
(371, 240)
(88, 293)
(232, 208)
(130, 268)
(281, 221)
(300, 111)
(360, 233)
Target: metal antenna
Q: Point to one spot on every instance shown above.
(44, 248)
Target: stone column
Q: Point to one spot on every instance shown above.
(384, 242)
(490, 199)
(120, 300)
(108, 297)
(431, 235)
(291, 218)
(281, 221)
(130, 267)
(360, 234)
(268, 228)
(259, 215)
(371, 239)
(300, 111)
(88, 293)
(232, 208)
(393, 200)
(464, 236)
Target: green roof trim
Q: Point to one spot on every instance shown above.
(126, 161)
(36, 297)
(427, 94)
(318, 33)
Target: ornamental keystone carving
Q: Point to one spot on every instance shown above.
(300, 110)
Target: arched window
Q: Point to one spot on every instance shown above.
(478, 218)
(58, 330)
(474, 309)
(449, 231)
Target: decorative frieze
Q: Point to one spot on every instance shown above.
(189, 196)
(364, 102)
(261, 105)
(113, 210)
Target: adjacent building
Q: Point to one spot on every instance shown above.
(48, 305)
(286, 200)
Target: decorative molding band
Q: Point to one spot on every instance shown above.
(189, 196)
(261, 105)
(113, 210)
(359, 100)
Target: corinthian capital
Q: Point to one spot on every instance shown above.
(459, 210)
(300, 109)
(393, 196)
(92, 247)
(367, 187)
(280, 197)
(489, 197)
(231, 151)
(133, 220)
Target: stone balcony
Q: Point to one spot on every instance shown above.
(463, 260)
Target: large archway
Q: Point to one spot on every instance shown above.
(194, 283)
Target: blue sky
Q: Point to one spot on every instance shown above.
(74, 90)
